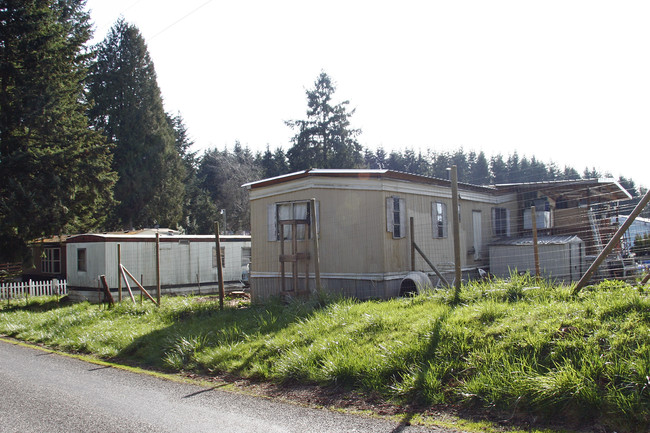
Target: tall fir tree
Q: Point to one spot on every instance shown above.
(222, 173)
(55, 170)
(440, 164)
(325, 139)
(128, 107)
(199, 211)
(273, 163)
(479, 170)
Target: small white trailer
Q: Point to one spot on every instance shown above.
(188, 263)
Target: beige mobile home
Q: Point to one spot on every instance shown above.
(363, 225)
(188, 263)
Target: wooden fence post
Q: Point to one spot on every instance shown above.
(158, 294)
(456, 227)
(533, 213)
(119, 273)
(316, 245)
(107, 291)
(222, 290)
(411, 226)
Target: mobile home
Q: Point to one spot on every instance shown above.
(363, 246)
(188, 263)
(362, 220)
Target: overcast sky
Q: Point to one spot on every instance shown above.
(564, 81)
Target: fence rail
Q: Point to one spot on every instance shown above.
(33, 288)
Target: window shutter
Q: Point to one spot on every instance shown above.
(444, 220)
(317, 210)
(272, 223)
(389, 214)
(508, 222)
(434, 219)
(402, 218)
(494, 221)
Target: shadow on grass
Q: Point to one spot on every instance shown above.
(192, 331)
(429, 354)
(34, 305)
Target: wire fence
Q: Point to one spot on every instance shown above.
(555, 230)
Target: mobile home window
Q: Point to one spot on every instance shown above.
(245, 256)
(439, 217)
(51, 261)
(500, 221)
(81, 260)
(396, 217)
(289, 211)
(214, 257)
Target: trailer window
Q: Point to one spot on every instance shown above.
(51, 261)
(396, 217)
(500, 221)
(288, 212)
(439, 218)
(245, 256)
(81, 260)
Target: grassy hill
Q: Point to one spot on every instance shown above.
(517, 348)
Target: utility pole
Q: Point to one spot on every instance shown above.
(225, 221)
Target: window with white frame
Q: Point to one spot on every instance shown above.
(282, 214)
(51, 261)
(500, 221)
(396, 217)
(439, 218)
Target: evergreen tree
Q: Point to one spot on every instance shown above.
(55, 169)
(199, 211)
(380, 158)
(410, 161)
(440, 165)
(629, 186)
(553, 171)
(396, 161)
(513, 169)
(459, 159)
(422, 165)
(281, 161)
(480, 171)
(591, 174)
(222, 174)
(267, 163)
(570, 173)
(325, 139)
(498, 169)
(129, 110)
(273, 164)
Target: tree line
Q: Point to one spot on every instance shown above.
(85, 142)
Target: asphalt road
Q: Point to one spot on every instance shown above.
(46, 392)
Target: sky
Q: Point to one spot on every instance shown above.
(564, 81)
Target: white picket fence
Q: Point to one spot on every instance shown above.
(33, 288)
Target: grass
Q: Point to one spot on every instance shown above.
(517, 347)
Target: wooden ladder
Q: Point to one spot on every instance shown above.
(294, 257)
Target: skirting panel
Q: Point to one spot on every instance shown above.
(265, 287)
